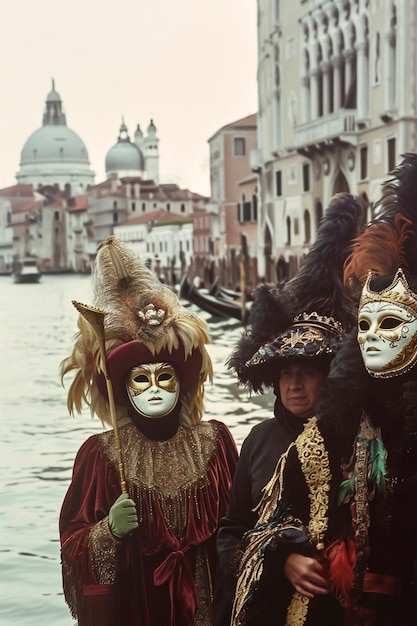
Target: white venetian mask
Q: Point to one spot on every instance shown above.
(387, 328)
(153, 389)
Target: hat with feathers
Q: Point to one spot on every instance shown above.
(144, 322)
(316, 288)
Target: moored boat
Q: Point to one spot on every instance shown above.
(217, 307)
(26, 271)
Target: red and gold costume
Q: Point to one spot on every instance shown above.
(145, 556)
(181, 488)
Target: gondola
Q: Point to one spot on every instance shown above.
(216, 306)
(218, 291)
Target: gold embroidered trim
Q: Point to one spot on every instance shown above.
(297, 610)
(103, 548)
(272, 492)
(170, 471)
(204, 586)
(316, 469)
(315, 466)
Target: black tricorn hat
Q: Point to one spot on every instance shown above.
(310, 336)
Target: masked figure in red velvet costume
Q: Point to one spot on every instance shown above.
(139, 520)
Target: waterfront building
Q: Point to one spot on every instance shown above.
(163, 240)
(337, 109)
(233, 204)
(116, 202)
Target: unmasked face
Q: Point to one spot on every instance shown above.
(153, 389)
(387, 336)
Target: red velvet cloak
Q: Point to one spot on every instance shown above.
(181, 488)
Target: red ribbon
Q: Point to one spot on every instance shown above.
(176, 570)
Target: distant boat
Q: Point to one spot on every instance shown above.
(216, 306)
(26, 271)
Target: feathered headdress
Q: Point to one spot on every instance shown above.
(389, 241)
(144, 322)
(317, 287)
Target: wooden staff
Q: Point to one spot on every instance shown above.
(95, 317)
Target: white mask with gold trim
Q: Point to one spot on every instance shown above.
(153, 389)
(387, 328)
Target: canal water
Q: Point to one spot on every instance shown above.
(39, 440)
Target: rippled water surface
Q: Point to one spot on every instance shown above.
(39, 440)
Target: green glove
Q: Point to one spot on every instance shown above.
(123, 516)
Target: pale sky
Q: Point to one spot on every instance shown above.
(188, 64)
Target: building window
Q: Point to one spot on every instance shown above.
(114, 204)
(364, 162)
(115, 217)
(168, 207)
(56, 216)
(278, 183)
(392, 158)
(306, 177)
(318, 210)
(133, 206)
(239, 146)
(288, 231)
(143, 207)
(246, 211)
(307, 227)
(182, 207)
(296, 227)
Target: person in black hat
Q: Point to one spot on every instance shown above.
(293, 335)
(295, 364)
(343, 492)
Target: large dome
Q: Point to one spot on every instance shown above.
(54, 143)
(54, 154)
(125, 156)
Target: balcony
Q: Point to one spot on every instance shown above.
(332, 128)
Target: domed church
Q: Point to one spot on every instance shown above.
(54, 154)
(138, 158)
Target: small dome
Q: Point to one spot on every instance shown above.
(54, 144)
(53, 96)
(124, 156)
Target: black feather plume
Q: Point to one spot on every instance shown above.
(317, 286)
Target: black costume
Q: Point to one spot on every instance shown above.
(346, 489)
(370, 563)
(258, 457)
(273, 311)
